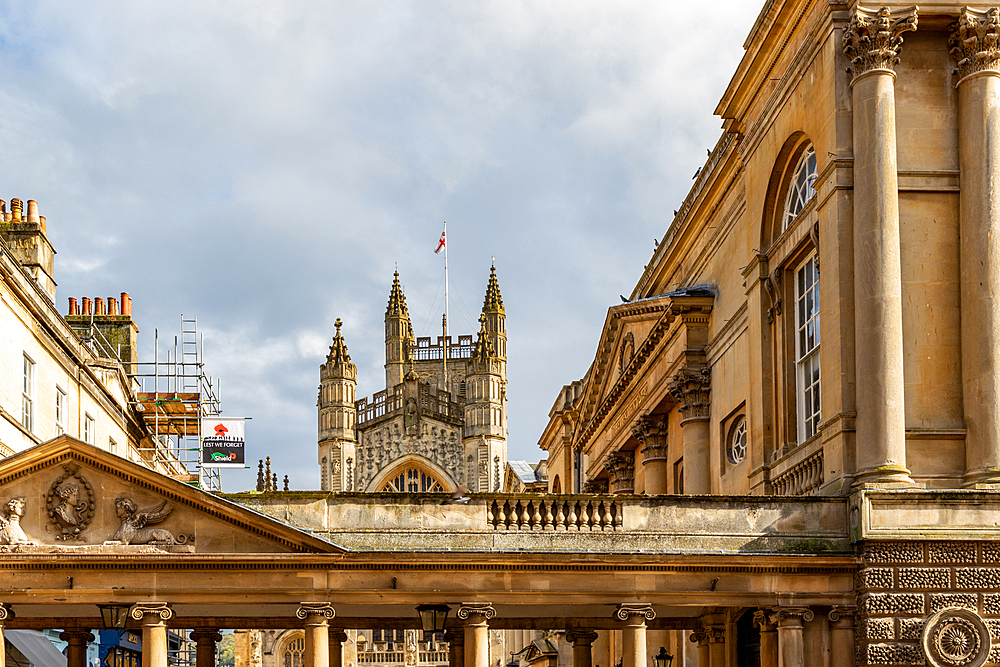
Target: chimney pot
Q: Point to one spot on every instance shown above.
(32, 210)
(126, 304)
(72, 306)
(99, 306)
(15, 209)
(41, 221)
(112, 305)
(86, 306)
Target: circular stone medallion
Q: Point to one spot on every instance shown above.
(955, 637)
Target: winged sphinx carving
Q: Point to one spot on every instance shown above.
(133, 529)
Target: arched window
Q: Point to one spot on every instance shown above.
(800, 189)
(737, 449)
(294, 652)
(413, 480)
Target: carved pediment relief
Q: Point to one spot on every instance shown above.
(66, 495)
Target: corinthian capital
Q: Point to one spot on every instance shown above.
(975, 41)
(691, 388)
(874, 37)
(621, 471)
(651, 431)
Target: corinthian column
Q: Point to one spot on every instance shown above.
(691, 389)
(872, 42)
(651, 431)
(154, 617)
(476, 616)
(635, 616)
(974, 45)
(317, 630)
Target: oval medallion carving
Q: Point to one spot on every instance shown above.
(955, 638)
(70, 503)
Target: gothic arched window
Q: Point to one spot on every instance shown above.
(800, 189)
(413, 480)
(294, 653)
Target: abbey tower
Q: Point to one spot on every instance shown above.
(441, 421)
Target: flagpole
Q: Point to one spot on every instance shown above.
(444, 233)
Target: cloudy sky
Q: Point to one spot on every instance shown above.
(264, 165)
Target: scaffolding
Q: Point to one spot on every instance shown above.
(173, 395)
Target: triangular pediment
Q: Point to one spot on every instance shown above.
(67, 495)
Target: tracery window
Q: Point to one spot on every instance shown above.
(800, 189)
(413, 480)
(294, 654)
(807, 348)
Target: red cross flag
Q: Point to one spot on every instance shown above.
(440, 245)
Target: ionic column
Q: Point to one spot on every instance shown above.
(700, 637)
(582, 644)
(76, 647)
(691, 388)
(316, 615)
(456, 647)
(477, 632)
(651, 431)
(974, 42)
(872, 42)
(716, 636)
(841, 619)
(5, 613)
(769, 638)
(791, 621)
(205, 644)
(154, 617)
(337, 639)
(634, 615)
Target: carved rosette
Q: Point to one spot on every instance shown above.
(581, 637)
(873, 38)
(975, 41)
(621, 471)
(692, 388)
(141, 610)
(955, 637)
(307, 609)
(629, 610)
(482, 611)
(651, 431)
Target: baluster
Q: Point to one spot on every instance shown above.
(606, 517)
(525, 517)
(536, 517)
(506, 515)
(560, 517)
(548, 516)
(490, 508)
(572, 518)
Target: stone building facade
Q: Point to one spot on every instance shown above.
(441, 421)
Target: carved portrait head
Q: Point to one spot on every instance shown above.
(125, 508)
(15, 507)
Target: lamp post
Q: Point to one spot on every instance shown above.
(114, 616)
(662, 658)
(433, 616)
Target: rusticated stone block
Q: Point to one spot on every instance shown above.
(893, 552)
(991, 552)
(991, 604)
(909, 628)
(874, 577)
(951, 552)
(994, 654)
(941, 601)
(892, 604)
(876, 628)
(890, 654)
(924, 577)
(994, 626)
(977, 577)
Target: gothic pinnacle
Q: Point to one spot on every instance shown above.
(493, 303)
(397, 301)
(338, 351)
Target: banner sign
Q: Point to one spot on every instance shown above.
(222, 442)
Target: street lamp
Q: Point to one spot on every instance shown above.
(114, 615)
(433, 616)
(662, 659)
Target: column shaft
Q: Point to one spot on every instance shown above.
(337, 639)
(154, 641)
(582, 646)
(979, 154)
(317, 641)
(841, 637)
(76, 647)
(205, 645)
(477, 642)
(456, 647)
(634, 642)
(791, 651)
(769, 639)
(697, 468)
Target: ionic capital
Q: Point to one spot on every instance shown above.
(975, 41)
(651, 431)
(337, 636)
(307, 609)
(6, 612)
(792, 616)
(842, 613)
(76, 637)
(874, 36)
(581, 637)
(482, 611)
(765, 620)
(629, 610)
(454, 637)
(149, 611)
(205, 636)
(699, 637)
(691, 388)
